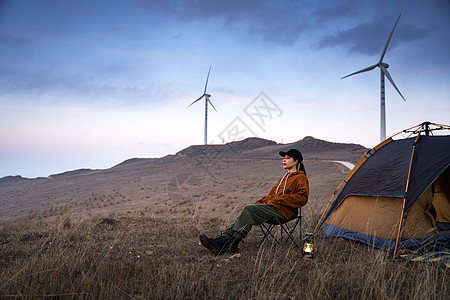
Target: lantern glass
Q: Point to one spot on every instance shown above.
(308, 246)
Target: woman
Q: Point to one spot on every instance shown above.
(288, 194)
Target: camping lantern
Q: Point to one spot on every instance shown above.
(308, 246)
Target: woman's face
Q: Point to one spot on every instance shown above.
(289, 162)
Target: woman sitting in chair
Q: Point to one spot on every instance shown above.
(288, 194)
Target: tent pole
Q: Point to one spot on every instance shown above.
(404, 197)
(404, 130)
(424, 127)
(399, 228)
(427, 128)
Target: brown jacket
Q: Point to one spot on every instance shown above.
(288, 194)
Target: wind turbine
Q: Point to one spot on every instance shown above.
(383, 71)
(206, 96)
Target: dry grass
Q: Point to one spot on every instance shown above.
(113, 235)
(148, 257)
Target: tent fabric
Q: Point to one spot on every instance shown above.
(379, 216)
(385, 172)
(386, 244)
(369, 208)
(419, 223)
(431, 159)
(441, 201)
(370, 215)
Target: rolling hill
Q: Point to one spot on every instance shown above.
(198, 179)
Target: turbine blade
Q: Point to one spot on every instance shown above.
(385, 71)
(361, 71)
(207, 77)
(209, 101)
(389, 39)
(197, 100)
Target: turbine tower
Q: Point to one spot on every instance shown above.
(206, 96)
(383, 72)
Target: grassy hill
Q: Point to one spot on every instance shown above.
(154, 257)
(219, 175)
(131, 232)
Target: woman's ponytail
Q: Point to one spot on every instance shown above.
(301, 167)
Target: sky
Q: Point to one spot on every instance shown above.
(89, 84)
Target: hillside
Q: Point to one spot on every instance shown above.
(196, 180)
(310, 147)
(131, 231)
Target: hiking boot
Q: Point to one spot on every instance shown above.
(231, 246)
(215, 245)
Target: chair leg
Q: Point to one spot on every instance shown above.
(286, 232)
(267, 231)
(289, 231)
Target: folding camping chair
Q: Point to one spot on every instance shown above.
(286, 231)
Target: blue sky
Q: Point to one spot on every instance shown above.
(88, 84)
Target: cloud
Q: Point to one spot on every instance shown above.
(281, 22)
(366, 30)
(360, 26)
(55, 87)
(338, 10)
(369, 38)
(7, 38)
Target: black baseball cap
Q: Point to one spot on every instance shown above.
(294, 153)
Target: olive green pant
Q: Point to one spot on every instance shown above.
(252, 214)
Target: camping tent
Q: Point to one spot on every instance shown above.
(398, 195)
